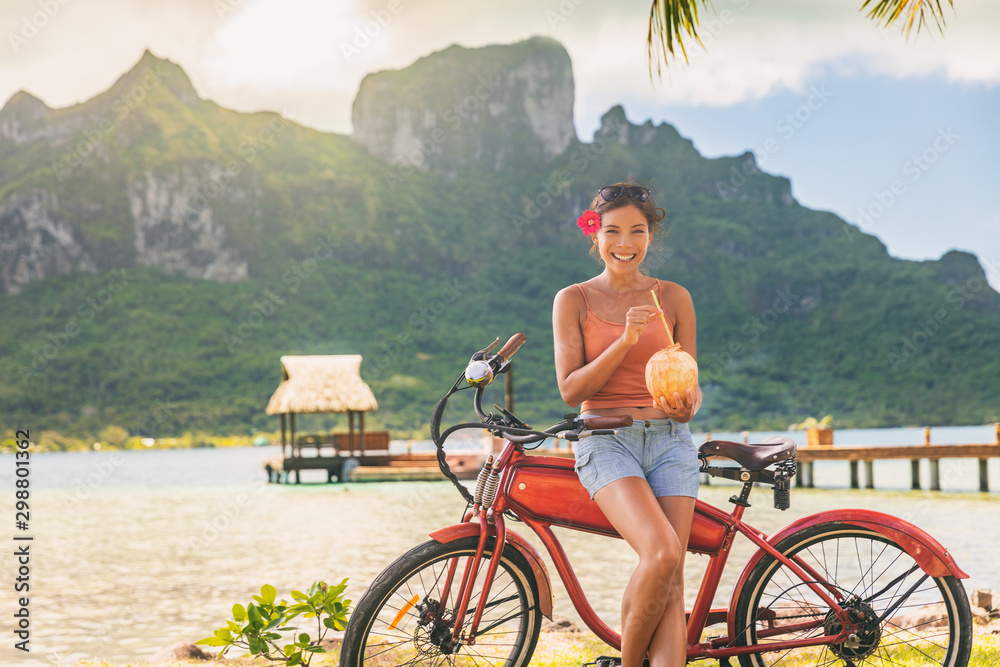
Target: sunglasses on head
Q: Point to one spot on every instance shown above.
(634, 192)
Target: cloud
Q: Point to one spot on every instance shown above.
(758, 48)
(290, 55)
(66, 51)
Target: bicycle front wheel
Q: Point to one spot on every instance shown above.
(407, 618)
(905, 616)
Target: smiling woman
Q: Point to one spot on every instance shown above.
(645, 477)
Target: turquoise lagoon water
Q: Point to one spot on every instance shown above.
(135, 550)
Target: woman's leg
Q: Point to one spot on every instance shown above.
(668, 647)
(642, 520)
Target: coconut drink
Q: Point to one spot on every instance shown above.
(671, 369)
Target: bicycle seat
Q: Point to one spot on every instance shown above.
(753, 457)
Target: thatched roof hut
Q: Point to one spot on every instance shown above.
(322, 383)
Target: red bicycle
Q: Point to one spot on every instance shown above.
(846, 587)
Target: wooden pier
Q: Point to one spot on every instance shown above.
(318, 384)
(868, 454)
(373, 466)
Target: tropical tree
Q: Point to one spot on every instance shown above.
(673, 21)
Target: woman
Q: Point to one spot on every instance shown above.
(645, 480)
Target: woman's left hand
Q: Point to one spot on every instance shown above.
(687, 405)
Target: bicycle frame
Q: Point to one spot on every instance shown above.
(544, 491)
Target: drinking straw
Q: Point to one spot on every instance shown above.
(662, 317)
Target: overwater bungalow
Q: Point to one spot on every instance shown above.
(332, 384)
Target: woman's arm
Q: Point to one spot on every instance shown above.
(685, 333)
(685, 325)
(577, 379)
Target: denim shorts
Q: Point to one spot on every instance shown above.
(658, 450)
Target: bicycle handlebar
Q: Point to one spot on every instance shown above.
(592, 423)
(479, 373)
(511, 346)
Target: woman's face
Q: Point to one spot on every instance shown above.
(623, 239)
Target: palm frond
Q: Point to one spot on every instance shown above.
(670, 22)
(887, 12)
(673, 21)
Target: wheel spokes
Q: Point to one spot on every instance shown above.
(415, 623)
(886, 595)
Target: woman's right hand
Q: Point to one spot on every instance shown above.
(687, 405)
(636, 321)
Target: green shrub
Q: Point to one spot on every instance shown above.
(259, 627)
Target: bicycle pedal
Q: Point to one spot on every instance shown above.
(611, 661)
(604, 661)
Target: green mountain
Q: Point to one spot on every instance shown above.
(158, 253)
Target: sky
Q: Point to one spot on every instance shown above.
(896, 135)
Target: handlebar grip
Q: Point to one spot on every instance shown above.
(511, 346)
(593, 423)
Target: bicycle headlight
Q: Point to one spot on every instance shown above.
(478, 373)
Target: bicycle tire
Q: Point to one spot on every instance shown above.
(908, 613)
(399, 619)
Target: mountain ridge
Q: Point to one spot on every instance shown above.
(242, 237)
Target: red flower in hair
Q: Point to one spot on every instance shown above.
(589, 222)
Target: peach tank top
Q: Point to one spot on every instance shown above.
(627, 385)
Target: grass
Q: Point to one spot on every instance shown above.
(569, 649)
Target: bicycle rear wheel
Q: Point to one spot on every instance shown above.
(406, 618)
(905, 616)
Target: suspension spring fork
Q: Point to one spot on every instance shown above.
(491, 570)
(452, 566)
(469, 580)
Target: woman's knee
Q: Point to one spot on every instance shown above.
(665, 560)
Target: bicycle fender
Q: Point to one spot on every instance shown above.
(928, 553)
(467, 529)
